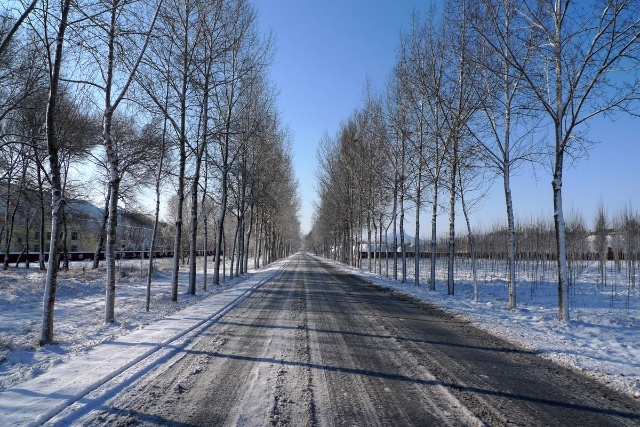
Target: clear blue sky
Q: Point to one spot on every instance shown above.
(327, 48)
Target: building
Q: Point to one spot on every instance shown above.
(82, 222)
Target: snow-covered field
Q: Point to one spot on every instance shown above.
(602, 340)
(79, 311)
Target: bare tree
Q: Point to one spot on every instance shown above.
(472, 188)
(396, 112)
(246, 55)
(7, 36)
(376, 167)
(457, 101)
(629, 226)
(171, 63)
(212, 46)
(57, 202)
(576, 243)
(416, 58)
(601, 234)
(32, 122)
(160, 176)
(585, 63)
(13, 161)
(425, 74)
(23, 100)
(335, 211)
(118, 25)
(501, 139)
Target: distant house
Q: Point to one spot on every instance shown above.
(386, 248)
(612, 241)
(83, 224)
(83, 221)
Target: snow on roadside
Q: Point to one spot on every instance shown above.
(79, 311)
(66, 392)
(602, 340)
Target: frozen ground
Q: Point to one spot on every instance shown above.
(602, 340)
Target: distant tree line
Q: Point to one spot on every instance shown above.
(159, 96)
(479, 89)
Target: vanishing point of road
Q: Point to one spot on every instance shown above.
(315, 346)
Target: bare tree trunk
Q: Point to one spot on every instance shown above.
(240, 259)
(9, 223)
(233, 251)
(25, 248)
(402, 242)
(560, 229)
(248, 238)
(511, 265)
(452, 218)
(57, 201)
(114, 178)
(156, 220)
(558, 214)
(152, 246)
(395, 227)
(224, 256)
(472, 250)
(416, 245)
(110, 106)
(177, 243)
(193, 237)
(205, 224)
(369, 252)
(258, 246)
(110, 253)
(402, 194)
(434, 237)
(386, 249)
(221, 215)
(225, 191)
(111, 103)
(193, 248)
(103, 229)
(63, 239)
(41, 225)
(9, 34)
(194, 187)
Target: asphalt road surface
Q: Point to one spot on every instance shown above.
(315, 346)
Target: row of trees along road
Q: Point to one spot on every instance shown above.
(479, 88)
(154, 95)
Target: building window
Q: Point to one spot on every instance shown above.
(36, 235)
(74, 235)
(36, 248)
(19, 239)
(74, 248)
(48, 235)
